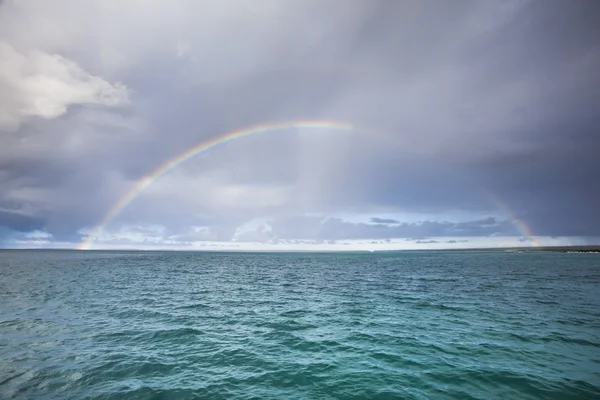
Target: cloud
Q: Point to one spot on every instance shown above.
(19, 222)
(384, 220)
(326, 229)
(38, 84)
(458, 107)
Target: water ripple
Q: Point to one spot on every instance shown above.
(111, 325)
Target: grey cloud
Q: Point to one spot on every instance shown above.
(554, 191)
(336, 228)
(451, 101)
(19, 222)
(384, 220)
(328, 229)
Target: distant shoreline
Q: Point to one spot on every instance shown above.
(555, 249)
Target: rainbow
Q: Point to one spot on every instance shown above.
(186, 155)
(521, 226)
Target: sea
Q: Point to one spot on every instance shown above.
(389, 325)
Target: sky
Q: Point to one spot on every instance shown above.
(475, 123)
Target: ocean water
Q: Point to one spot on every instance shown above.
(408, 325)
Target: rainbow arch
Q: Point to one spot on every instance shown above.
(150, 178)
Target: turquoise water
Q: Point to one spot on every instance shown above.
(414, 325)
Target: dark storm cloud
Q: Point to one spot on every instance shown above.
(472, 98)
(411, 183)
(550, 180)
(56, 183)
(554, 190)
(20, 223)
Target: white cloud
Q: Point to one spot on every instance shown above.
(125, 239)
(38, 236)
(39, 84)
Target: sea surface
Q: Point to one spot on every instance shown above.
(405, 325)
